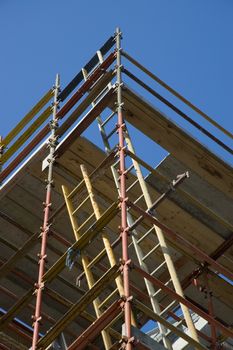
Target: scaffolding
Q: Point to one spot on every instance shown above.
(122, 243)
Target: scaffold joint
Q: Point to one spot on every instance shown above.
(49, 182)
(124, 149)
(38, 286)
(36, 319)
(119, 105)
(47, 204)
(42, 257)
(118, 34)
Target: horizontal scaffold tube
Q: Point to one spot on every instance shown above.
(88, 67)
(89, 234)
(28, 117)
(78, 307)
(46, 129)
(178, 111)
(175, 93)
(174, 237)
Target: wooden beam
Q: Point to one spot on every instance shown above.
(163, 131)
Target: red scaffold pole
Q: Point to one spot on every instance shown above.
(45, 228)
(122, 173)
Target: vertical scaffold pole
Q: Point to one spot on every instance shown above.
(122, 177)
(209, 296)
(47, 208)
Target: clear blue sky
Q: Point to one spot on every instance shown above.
(187, 43)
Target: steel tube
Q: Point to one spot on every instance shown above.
(124, 231)
(28, 117)
(78, 307)
(185, 302)
(86, 85)
(196, 252)
(168, 325)
(89, 67)
(100, 256)
(175, 93)
(45, 230)
(108, 119)
(178, 111)
(45, 130)
(96, 327)
(160, 199)
(214, 345)
(27, 134)
(149, 286)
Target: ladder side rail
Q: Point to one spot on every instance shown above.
(164, 247)
(85, 262)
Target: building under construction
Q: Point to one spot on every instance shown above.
(101, 249)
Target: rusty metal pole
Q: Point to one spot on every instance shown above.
(123, 206)
(45, 228)
(209, 296)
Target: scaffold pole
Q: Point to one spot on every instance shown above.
(123, 205)
(39, 286)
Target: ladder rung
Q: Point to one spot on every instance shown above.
(159, 290)
(132, 185)
(108, 119)
(80, 205)
(95, 101)
(116, 163)
(168, 308)
(129, 168)
(100, 56)
(145, 235)
(108, 298)
(151, 251)
(96, 173)
(138, 199)
(177, 325)
(85, 74)
(86, 221)
(158, 268)
(76, 189)
(98, 257)
(111, 133)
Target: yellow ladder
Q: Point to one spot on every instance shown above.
(107, 246)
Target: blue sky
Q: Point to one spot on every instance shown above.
(187, 43)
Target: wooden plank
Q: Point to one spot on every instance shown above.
(84, 151)
(27, 134)
(213, 199)
(169, 212)
(190, 227)
(185, 148)
(28, 117)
